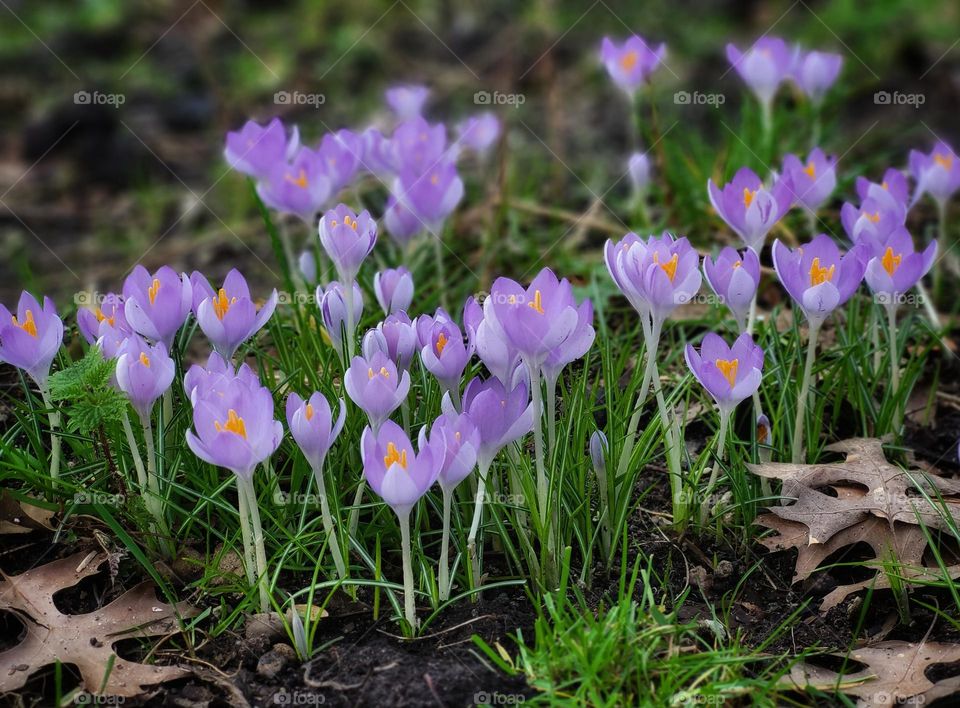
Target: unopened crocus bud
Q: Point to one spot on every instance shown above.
(394, 289)
(734, 276)
(764, 66)
(144, 372)
(307, 264)
(395, 336)
(407, 101)
(816, 72)
(313, 427)
(480, 132)
(333, 310)
(598, 450)
(638, 167)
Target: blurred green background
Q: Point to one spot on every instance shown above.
(87, 191)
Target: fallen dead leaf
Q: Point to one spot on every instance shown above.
(22, 516)
(84, 640)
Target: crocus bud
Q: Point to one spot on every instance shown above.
(255, 150)
(396, 337)
(157, 305)
(480, 132)
(638, 167)
(31, 338)
(333, 310)
(816, 72)
(312, 426)
(347, 238)
(764, 66)
(495, 351)
(144, 372)
(459, 439)
(598, 450)
(308, 266)
(407, 101)
(936, 173)
(394, 289)
(734, 278)
(340, 154)
(501, 415)
(631, 63)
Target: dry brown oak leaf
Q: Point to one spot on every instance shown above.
(890, 492)
(84, 640)
(894, 672)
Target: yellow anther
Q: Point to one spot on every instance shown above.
(153, 290)
(28, 326)
(537, 303)
(628, 60)
(728, 367)
(891, 262)
(300, 180)
(820, 275)
(233, 425)
(945, 161)
(145, 360)
(874, 217)
(748, 196)
(221, 305)
(670, 267)
(395, 457)
(441, 343)
(309, 411)
(811, 170)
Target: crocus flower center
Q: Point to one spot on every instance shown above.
(441, 343)
(221, 304)
(233, 425)
(28, 326)
(728, 367)
(628, 60)
(811, 170)
(383, 372)
(145, 360)
(670, 267)
(874, 217)
(945, 161)
(737, 264)
(153, 290)
(891, 262)
(820, 275)
(112, 319)
(395, 456)
(309, 411)
(300, 180)
(537, 303)
(748, 196)
(434, 179)
(885, 185)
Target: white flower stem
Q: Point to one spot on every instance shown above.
(409, 605)
(349, 324)
(260, 552)
(54, 418)
(483, 466)
(752, 317)
(154, 501)
(443, 570)
(642, 392)
(942, 248)
(135, 453)
(333, 540)
(720, 454)
(798, 441)
(551, 404)
(894, 367)
(243, 508)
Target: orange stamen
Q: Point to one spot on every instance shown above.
(820, 275)
(29, 326)
(233, 425)
(670, 267)
(537, 303)
(891, 262)
(153, 290)
(300, 181)
(395, 456)
(728, 367)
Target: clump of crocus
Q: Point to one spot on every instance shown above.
(229, 316)
(936, 173)
(394, 289)
(145, 373)
(395, 336)
(443, 351)
(631, 63)
(811, 182)
(314, 430)
(750, 208)
(234, 427)
(460, 441)
(815, 72)
(819, 279)
(501, 415)
(299, 186)
(496, 352)
(29, 340)
(763, 67)
(157, 305)
(730, 375)
(734, 276)
(894, 268)
(401, 477)
(339, 307)
(255, 150)
(407, 101)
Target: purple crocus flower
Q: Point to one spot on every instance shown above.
(479, 132)
(204, 380)
(764, 66)
(377, 152)
(815, 72)
(418, 146)
(729, 374)
(460, 441)
(333, 311)
(228, 316)
(443, 352)
(144, 373)
(340, 155)
(811, 182)
(936, 173)
(376, 387)
(893, 192)
(638, 167)
(748, 207)
(734, 278)
(395, 336)
(873, 221)
(157, 305)
(407, 101)
(669, 275)
(348, 238)
(31, 338)
(631, 63)
(392, 469)
(623, 259)
(572, 348)
(896, 267)
(255, 149)
(495, 351)
(401, 223)
(106, 316)
(431, 196)
(307, 265)
(300, 186)
(394, 289)
(817, 276)
(233, 426)
(501, 415)
(313, 427)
